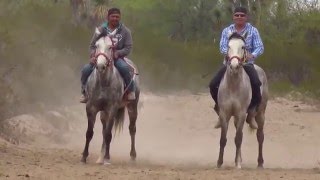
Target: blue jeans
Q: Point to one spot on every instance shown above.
(124, 70)
(85, 73)
(120, 64)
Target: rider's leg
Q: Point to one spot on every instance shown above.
(255, 83)
(214, 86)
(124, 70)
(85, 73)
(256, 94)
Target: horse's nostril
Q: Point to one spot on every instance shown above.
(103, 68)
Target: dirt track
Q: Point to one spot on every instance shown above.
(175, 140)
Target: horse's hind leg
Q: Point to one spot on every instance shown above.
(223, 137)
(239, 122)
(103, 146)
(91, 115)
(260, 137)
(133, 113)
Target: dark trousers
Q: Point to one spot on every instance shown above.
(254, 80)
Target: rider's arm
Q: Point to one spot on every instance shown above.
(258, 47)
(127, 45)
(224, 42)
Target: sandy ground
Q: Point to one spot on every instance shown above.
(176, 139)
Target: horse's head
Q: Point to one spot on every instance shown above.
(236, 51)
(104, 56)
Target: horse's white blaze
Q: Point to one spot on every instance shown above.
(235, 48)
(101, 60)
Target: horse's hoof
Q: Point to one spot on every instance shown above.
(238, 166)
(83, 161)
(219, 164)
(133, 158)
(260, 166)
(106, 162)
(99, 161)
(133, 155)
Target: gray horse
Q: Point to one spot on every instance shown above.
(234, 97)
(105, 90)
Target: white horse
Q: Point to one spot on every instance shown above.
(105, 90)
(234, 96)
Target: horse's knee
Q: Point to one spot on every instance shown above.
(90, 114)
(108, 137)
(89, 134)
(238, 138)
(223, 141)
(132, 129)
(260, 135)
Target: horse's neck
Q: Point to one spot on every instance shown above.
(105, 79)
(234, 80)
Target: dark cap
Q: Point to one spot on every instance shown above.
(240, 9)
(113, 11)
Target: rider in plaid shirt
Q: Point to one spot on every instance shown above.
(254, 47)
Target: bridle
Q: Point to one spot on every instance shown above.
(241, 60)
(109, 60)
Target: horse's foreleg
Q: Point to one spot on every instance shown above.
(103, 117)
(133, 113)
(223, 138)
(238, 139)
(260, 138)
(91, 115)
(107, 133)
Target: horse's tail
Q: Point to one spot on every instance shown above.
(119, 119)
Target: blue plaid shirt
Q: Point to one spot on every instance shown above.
(254, 43)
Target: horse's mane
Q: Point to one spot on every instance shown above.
(236, 36)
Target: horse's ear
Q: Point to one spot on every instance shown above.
(245, 35)
(229, 34)
(97, 31)
(113, 32)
